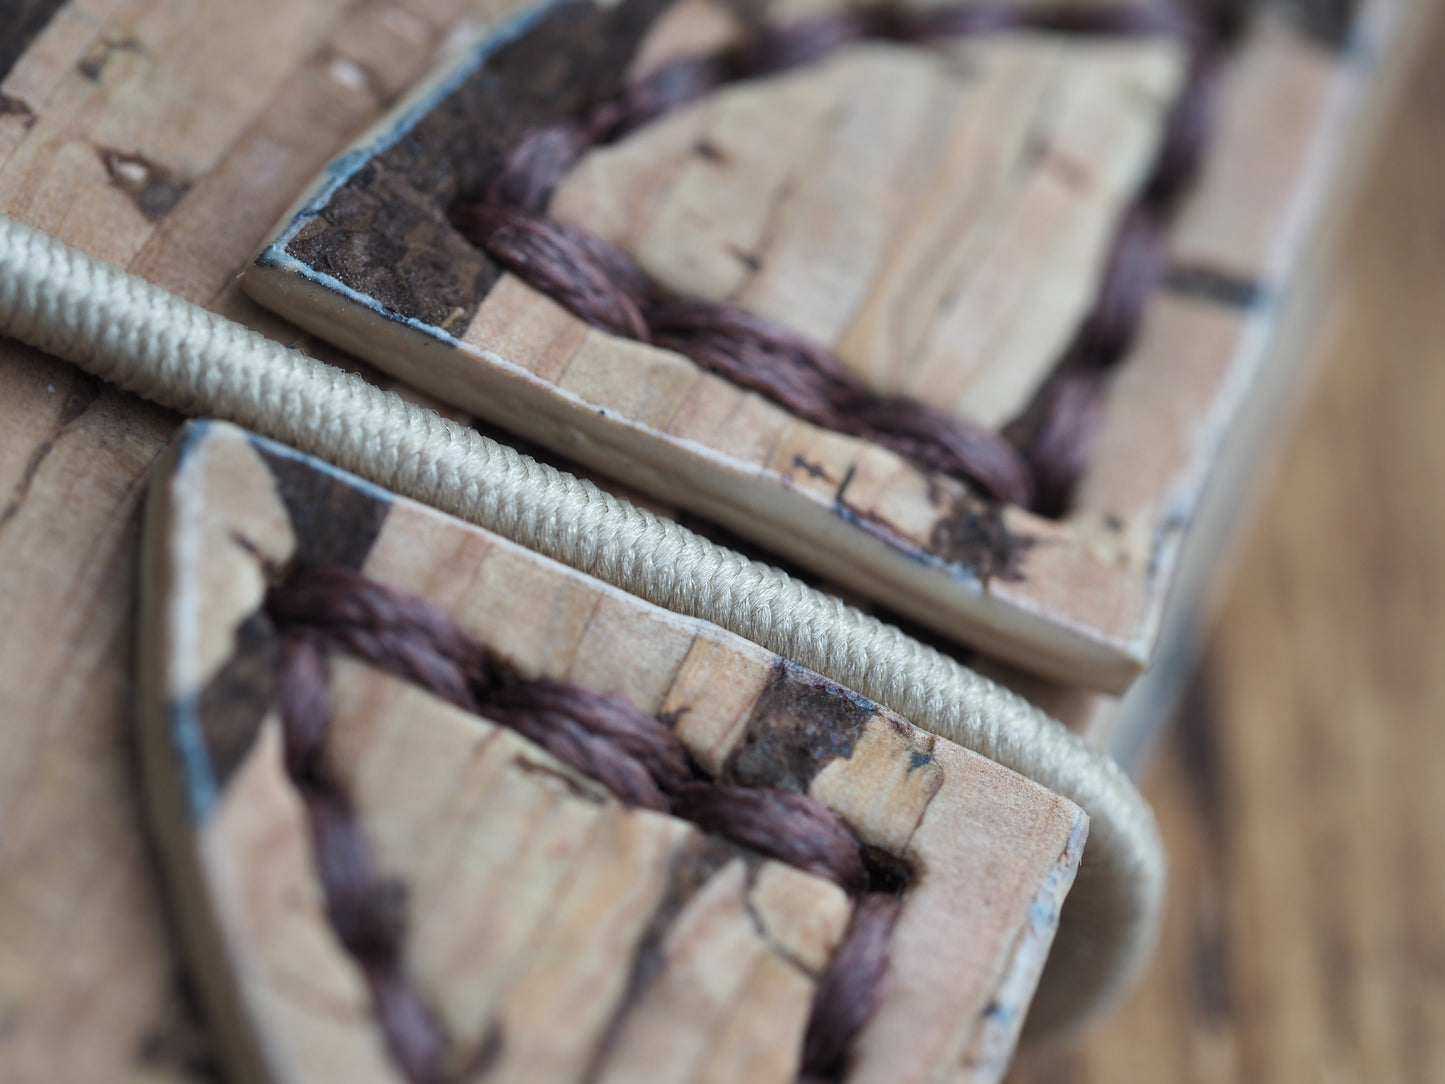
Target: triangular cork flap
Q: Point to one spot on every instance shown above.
(882, 288)
(422, 821)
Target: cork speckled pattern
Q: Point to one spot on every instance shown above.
(527, 893)
(936, 216)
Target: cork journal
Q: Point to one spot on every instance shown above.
(673, 582)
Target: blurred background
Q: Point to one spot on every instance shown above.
(1301, 790)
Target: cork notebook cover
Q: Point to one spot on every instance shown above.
(952, 305)
(433, 807)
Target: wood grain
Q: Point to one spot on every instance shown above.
(1301, 789)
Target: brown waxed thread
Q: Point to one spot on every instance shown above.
(603, 736)
(365, 911)
(1039, 457)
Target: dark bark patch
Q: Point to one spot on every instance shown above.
(155, 189)
(974, 536)
(336, 520)
(232, 706)
(800, 725)
(386, 231)
(92, 65)
(22, 21)
(14, 107)
(1216, 285)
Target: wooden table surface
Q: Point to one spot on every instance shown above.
(1303, 940)
(1302, 791)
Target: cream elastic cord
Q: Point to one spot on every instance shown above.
(152, 343)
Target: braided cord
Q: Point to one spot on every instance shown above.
(146, 340)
